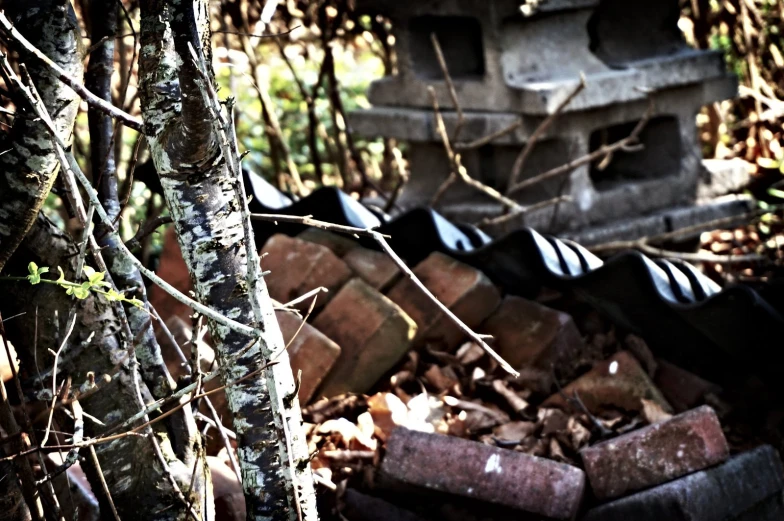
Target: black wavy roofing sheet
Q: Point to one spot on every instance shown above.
(683, 315)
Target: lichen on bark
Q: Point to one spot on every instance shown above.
(200, 193)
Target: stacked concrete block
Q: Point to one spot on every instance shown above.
(513, 65)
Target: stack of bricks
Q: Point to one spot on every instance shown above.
(372, 315)
(675, 470)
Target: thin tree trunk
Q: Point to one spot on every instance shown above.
(134, 473)
(29, 168)
(202, 197)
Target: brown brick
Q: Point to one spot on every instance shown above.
(748, 487)
(467, 292)
(527, 334)
(338, 244)
(475, 470)
(374, 267)
(656, 454)
(227, 492)
(682, 389)
(372, 332)
(299, 266)
(310, 351)
(618, 382)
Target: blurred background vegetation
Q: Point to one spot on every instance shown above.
(295, 80)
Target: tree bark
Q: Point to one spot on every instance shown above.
(136, 478)
(202, 197)
(138, 482)
(29, 168)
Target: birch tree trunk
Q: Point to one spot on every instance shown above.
(202, 197)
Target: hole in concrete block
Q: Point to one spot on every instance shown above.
(622, 32)
(660, 156)
(460, 38)
(492, 164)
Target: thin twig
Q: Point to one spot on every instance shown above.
(517, 167)
(104, 486)
(93, 100)
(493, 221)
(381, 240)
(602, 152)
(145, 229)
(450, 86)
(486, 140)
(458, 170)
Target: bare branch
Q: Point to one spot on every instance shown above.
(73, 83)
(517, 167)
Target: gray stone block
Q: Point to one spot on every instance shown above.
(750, 483)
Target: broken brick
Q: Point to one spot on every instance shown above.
(310, 351)
(618, 382)
(299, 266)
(372, 332)
(374, 267)
(655, 454)
(682, 388)
(464, 290)
(748, 487)
(481, 472)
(527, 334)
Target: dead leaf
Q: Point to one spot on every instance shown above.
(552, 421)
(514, 431)
(388, 412)
(469, 353)
(653, 412)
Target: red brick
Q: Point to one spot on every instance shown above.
(655, 454)
(527, 334)
(618, 382)
(682, 389)
(227, 492)
(374, 267)
(467, 292)
(338, 244)
(299, 266)
(372, 332)
(173, 270)
(310, 351)
(475, 470)
(748, 487)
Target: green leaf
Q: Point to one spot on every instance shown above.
(62, 276)
(135, 302)
(88, 271)
(775, 192)
(113, 296)
(34, 277)
(96, 278)
(82, 292)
